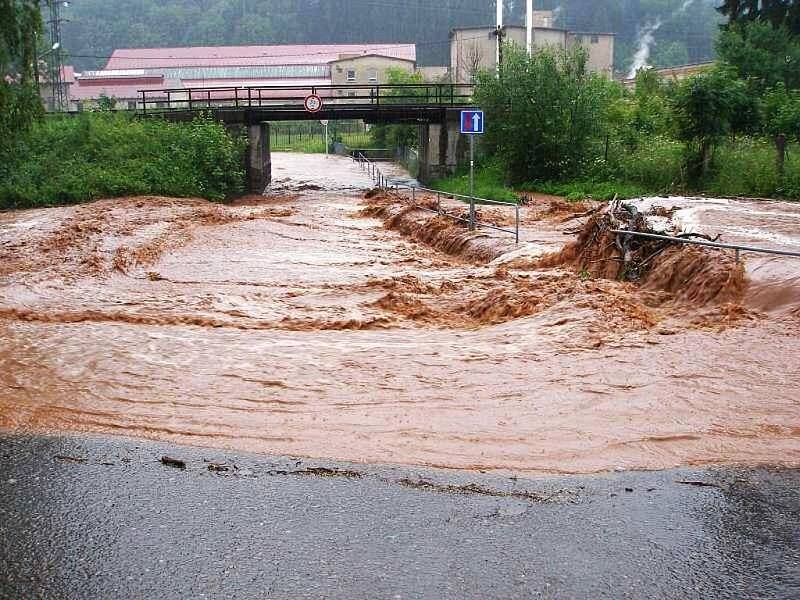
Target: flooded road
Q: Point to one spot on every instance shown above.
(311, 322)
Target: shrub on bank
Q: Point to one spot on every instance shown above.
(64, 160)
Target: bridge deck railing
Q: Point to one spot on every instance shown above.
(292, 97)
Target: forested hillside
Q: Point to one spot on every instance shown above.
(682, 30)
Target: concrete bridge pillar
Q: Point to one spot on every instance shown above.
(258, 164)
(440, 149)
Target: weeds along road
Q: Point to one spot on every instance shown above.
(317, 322)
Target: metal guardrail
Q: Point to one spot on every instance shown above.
(472, 221)
(291, 97)
(381, 154)
(738, 247)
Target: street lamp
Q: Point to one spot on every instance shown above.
(55, 47)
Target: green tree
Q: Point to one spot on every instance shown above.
(20, 22)
(706, 108)
(778, 13)
(763, 53)
(782, 111)
(542, 115)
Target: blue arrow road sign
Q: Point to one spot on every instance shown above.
(471, 121)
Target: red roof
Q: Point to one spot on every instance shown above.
(223, 56)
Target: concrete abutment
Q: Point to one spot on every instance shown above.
(441, 149)
(258, 165)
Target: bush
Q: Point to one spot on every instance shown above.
(707, 106)
(67, 160)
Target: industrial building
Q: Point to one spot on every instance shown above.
(132, 69)
(475, 48)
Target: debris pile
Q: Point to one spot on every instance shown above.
(694, 274)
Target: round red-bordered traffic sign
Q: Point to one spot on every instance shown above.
(312, 103)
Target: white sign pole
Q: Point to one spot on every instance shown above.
(472, 181)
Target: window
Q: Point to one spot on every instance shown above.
(351, 75)
(595, 39)
(372, 75)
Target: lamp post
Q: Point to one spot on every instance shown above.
(39, 57)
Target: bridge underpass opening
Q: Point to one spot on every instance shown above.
(309, 136)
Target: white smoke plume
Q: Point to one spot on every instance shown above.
(646, 39)
(644, 42)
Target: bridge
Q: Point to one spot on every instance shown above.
(434, 108)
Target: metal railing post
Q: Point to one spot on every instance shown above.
(413, 195)
(438, 203)
(471, 213)
(516, 230)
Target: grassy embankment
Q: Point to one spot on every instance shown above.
(64, 160)
(743, 167)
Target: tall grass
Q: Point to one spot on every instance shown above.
(66, 160)
(745, 167)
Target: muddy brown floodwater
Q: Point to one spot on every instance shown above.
(316, 322)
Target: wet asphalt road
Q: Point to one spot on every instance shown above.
(103, 518)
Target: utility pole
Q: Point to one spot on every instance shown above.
(56, 61)
(499, 52)
(529, 26)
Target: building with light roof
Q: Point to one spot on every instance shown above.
(130, 70)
